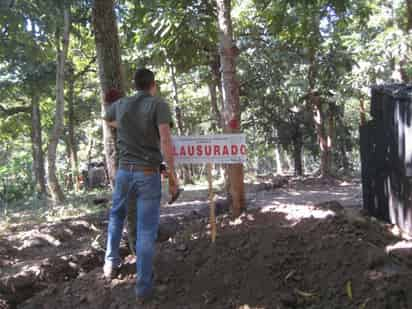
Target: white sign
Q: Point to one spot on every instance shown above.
(224, 149)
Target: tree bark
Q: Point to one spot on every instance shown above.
(216, 123)
(36, 142)
(297, 156)
(71, 137)
(362, 111)
(214, 85)
(404, 62)
(110, 70)
(330, 136)
(317, 109)
(54, 186)
(230, 86)
(319, 117)
(187, 178)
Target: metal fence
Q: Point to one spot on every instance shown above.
(386, 155)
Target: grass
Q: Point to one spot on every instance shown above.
(17, 215)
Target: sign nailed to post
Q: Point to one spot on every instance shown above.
(220, 149)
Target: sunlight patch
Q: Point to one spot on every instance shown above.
(400, 245)
(243, 217)
(297, 213)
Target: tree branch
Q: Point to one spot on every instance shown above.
(85, 69)
(14, 110)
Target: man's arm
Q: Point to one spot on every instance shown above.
(110, 115)
(167, 150)
(112, 124)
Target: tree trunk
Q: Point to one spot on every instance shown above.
(110, 70)
(297, 156)
(216, 123)
(187, 178)
(329, 139)
(71, 138)
(214, 84)
(54, 186)
(178, 110)
(325, 168)
(405, 61)
(36, 142)
(362, 111)
(316, 105)
(279, 167)
(228, 53)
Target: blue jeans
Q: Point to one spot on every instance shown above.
(147, 188)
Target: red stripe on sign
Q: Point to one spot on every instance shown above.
(199, 150)
(225, 151)
(208, 150)
(191, 150)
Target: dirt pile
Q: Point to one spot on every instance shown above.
(32, 260)
(264, 260)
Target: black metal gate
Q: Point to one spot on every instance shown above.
(386, 155)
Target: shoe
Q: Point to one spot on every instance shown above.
(141, 300)
(110, 272)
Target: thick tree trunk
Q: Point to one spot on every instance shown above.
(36, 142)
(54, 186)
(231, 115)
(71, 137)
(110, 70)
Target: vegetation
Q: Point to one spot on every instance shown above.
(302, 71)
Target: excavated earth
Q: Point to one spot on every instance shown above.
(276, 256)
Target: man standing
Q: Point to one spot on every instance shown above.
(143, 134)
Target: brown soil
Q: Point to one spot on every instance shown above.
(265, 261)
(296, 256)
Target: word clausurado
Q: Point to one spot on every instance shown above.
(222, 149)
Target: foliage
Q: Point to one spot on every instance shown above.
(352, 44)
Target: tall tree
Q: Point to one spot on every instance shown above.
(231, 114)
(62, 50)
(110, 70)
(36, 142)
(71, 138)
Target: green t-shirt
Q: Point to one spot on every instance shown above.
(138, 118)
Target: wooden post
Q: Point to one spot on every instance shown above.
(212, 203)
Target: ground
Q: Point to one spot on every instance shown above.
(302, 244)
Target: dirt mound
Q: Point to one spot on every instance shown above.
(262, 260)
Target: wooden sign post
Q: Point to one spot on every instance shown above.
(222, 149)
(212, 205)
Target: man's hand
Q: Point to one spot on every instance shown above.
(173, 185)
(112, 124)
(166, 145)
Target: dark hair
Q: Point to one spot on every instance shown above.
(143, 79)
